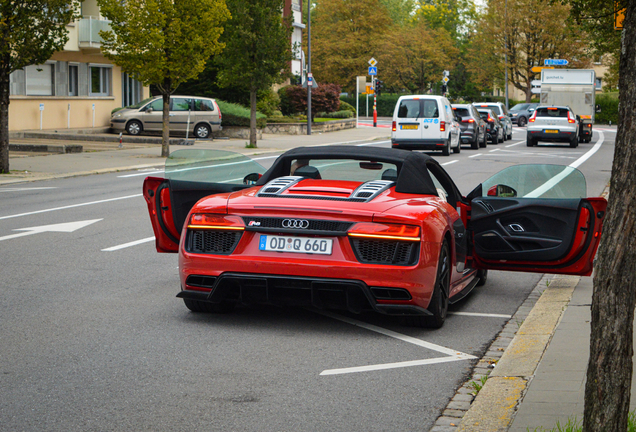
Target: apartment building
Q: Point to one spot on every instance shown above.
(294, 8)
(77, 87)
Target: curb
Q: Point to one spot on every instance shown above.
(515, 355)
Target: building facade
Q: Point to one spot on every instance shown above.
(77, 87)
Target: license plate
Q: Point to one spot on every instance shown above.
(412, 127)
(306, 245)
(551, 131)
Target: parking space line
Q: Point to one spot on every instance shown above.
(452, 355)
(127, 245)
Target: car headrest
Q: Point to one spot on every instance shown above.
(308, 171)
(389, 174)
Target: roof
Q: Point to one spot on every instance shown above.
(412, 178)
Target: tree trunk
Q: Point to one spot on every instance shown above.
(609, 373)
(253, 117)
(4, 122)
(166, 90)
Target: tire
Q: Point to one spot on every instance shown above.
(206, 307)
(530, 142)
(458, 148)
(522, 121)
(202, 131)
(574, 143)
(483, 277)
(438, 307)
(446, 149)
(475, 144)
(484, 143)
(502, 139)
(509, 137)
(134, 127)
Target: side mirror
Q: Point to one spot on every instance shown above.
(597, 108)
(530, 109)
(502, 191)
(252, 178)
(578, 118)
(149, 110)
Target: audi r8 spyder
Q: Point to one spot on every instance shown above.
(358, 228)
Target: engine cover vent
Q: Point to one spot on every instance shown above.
(371, 189)
(278, 185)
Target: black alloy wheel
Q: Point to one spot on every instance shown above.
(522, 121)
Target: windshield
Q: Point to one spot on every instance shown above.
(520, 107)
(552, 112)
(139, 104)
(540, 181)
(345, 169)
(494, 108)
(210, 166)
(462, 112)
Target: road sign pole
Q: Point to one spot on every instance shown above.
(309, 83)
(357, 100)
(375, 104)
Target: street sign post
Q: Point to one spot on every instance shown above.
(373, 62)
(555, 62)
(373, 70)
(446, 79)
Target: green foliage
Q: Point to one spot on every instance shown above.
(609, 108)
(385, 104)
(268, 102)
(347, 107)
(336, 114)
(30, 32)
(293, 99)
(205, 84)
(400, 11)
(237, 115)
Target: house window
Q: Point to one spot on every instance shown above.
(39, 80)
(73, 71)
(598, 85)
(131, 90)
(100, 81)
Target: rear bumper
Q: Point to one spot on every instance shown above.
(419, 144)
(324, 293)
(541, 135)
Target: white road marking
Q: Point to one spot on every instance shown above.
(475, 155)
(476, 314)
(24, 189)
(494, 150)
(141, 174)
(448, 163)
(515, 144)
(69, 206)
(566, 171)
(372, 143)
(67, 227)
(126, 245)
(452, 355)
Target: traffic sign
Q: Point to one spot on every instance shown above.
(373, 70)
(535, 90)
(536, 83)
(373, 62)
(619, 17)
(555, 62)
(538, 69)
(446, 79)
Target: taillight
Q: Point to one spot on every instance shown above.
(490, 119)
(469, 121)
(219, 110)
(534, 116)
(214, 221)
(394, 127)
(385, 231)
(442, 126)
(570, 119)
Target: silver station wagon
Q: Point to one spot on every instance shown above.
(200, 116)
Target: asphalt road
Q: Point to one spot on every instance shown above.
(93, 338)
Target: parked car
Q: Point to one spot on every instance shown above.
(502, 114)
(520, 113)
(494, 128)
(200, 116)
(553, 124)
(390, 226)
(473, 128)
(425, 122)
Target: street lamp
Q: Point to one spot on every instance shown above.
(506, 50)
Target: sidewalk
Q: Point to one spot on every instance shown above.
(106, 156)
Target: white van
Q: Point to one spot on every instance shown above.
(425, 122)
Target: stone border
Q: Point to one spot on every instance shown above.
(510, 362)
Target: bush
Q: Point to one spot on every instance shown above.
(268, 102)
(237, 115)
(293, 99)
(344, 106)
(344, 114)
(609, 108)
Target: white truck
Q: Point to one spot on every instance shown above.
(574, 88)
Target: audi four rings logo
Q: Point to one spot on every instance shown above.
(296, 223)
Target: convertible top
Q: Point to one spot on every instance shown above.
(413, 177)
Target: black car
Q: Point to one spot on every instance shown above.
(520, 113)
(494, 128)
(473, 128)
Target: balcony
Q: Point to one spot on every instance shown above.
(89, 28)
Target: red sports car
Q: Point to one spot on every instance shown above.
(359, 228)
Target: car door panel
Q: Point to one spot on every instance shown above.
(537, 235)
(169, 202)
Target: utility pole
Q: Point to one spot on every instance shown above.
(506, 49)
(310, 80)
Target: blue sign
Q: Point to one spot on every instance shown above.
(555, 62)
(373, 70)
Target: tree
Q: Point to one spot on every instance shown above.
(528, 31)
(345, 35)
(400, 11)
(326, 98)
(30, 32)
(163, 42)
(258, 49)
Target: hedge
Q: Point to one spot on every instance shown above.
(237, 115)
(608, 102)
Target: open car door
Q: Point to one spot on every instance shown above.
(189, 176)
(536, 218)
